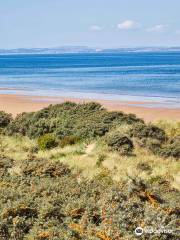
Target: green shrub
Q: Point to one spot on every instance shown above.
(46, 200)
(5, 164)
(44, 168)
(120, 143)
(143, 131)
(87, 120)
(5, 119)
(47, 141)
(68, 140)
(171, 149)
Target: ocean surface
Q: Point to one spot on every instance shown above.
(151, 77)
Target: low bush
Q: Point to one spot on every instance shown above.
(43, 168)
(5, 119)
(47, 141)
(171, 149)
(120, 143)
(5, 164)
(143, 131)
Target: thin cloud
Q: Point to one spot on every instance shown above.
(95, 28)
(157, 28)
(128, 25)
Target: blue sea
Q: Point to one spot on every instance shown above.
(153, 77)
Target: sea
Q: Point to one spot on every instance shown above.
(149, 77)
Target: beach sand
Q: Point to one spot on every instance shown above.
(16, 104)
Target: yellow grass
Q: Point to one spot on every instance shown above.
(84, 157)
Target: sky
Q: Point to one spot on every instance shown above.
(93, 23)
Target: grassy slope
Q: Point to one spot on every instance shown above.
(85, 156)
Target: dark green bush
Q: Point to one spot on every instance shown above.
(143, 131)
(44, 168)
(87, 120)
(171, 149)
(120, 143)
(5, 119)
(47, 141)
(5, 164)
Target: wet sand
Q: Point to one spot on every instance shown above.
(16, 104)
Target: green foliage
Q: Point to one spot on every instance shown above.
(143, 131)
(5, 119)
(46, 141)
(156, 140)
(121, 143)
(171, 149)
(43, 168)
(87, 120)
(46, 201)
(5, 164)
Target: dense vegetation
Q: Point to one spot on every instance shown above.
(65, 174)
(45, 200)
(69, 119)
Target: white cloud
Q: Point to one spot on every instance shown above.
(157, 28)
(95, 28)
(128, 25)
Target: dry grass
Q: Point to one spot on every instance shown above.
(172, 128)
(84, 156)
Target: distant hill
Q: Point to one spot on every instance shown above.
(84, 49)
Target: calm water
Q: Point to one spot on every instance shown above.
(152, 76)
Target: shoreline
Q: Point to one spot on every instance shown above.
(15, 104)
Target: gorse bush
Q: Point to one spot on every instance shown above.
(5, 119)
(121, 143)
(143, 131)
(156, 140)
(46, 201)
(69, 119)
(46, 141)
(171, 149)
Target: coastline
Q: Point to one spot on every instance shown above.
(16, 104)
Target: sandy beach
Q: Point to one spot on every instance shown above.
(16, 104)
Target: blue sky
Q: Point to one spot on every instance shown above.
(94, 23)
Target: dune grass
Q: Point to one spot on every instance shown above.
(91, 158)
